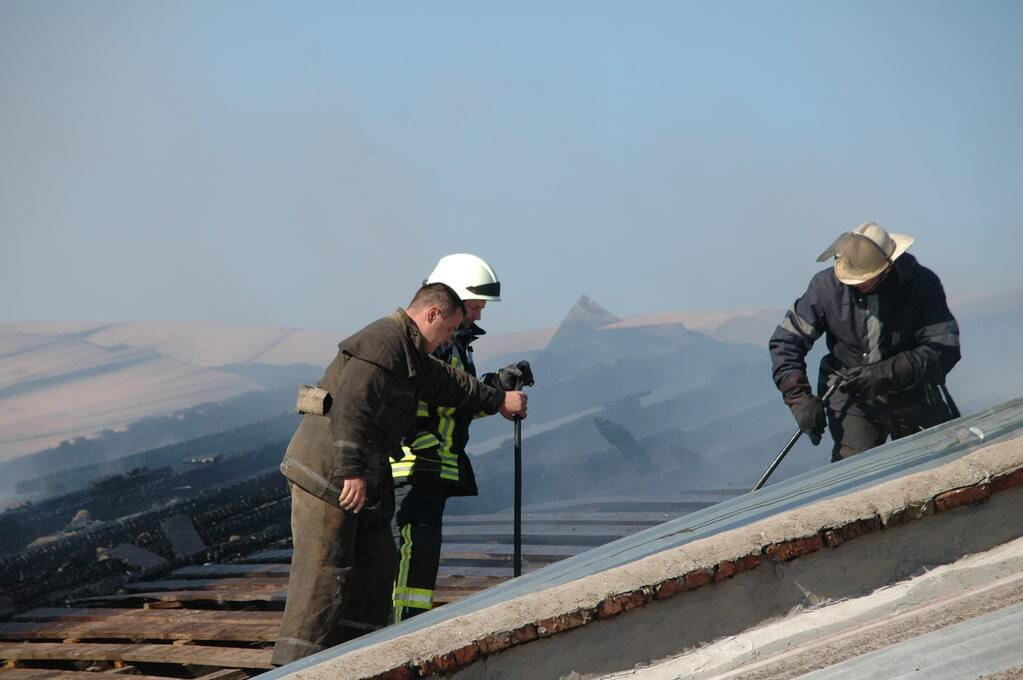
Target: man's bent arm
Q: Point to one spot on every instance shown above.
(794, 337)
(358, 396)
(937, 337)
(445, 385)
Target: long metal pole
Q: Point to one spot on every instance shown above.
(952, 408)
(518, 497)
(792, 440)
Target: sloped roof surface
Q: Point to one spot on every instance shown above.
(918, 453)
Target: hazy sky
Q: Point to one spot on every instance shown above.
(305, 164)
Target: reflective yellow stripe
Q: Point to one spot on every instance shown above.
(446, 429)
(448, 458)
(401, 581)
(416, 594)
(418, 598)
(442, 440)
(403, 468)
(427, 440)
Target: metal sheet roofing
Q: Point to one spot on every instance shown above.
(923, 451)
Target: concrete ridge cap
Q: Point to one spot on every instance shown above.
(786, 536)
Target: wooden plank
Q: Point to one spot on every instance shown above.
(225, 674)
(196, 596)
(444, 593)
(254, 583)
(456, 550)
(240, 573)
(227, 570)
(132, 615)
(448, 595)
(491, 571)
(473, 582)
(169, 628)
(51, 674)
(196, 655)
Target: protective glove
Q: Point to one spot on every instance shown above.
(808, 411)
(511, 377)
(878, 380)
(794, 386)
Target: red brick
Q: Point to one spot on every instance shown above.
(746, 563)
(724, 570)
(443, 663)
(559, 624)
(1007, 481)
(861, 527)
(797, 547)
(832, 538)
(404, 672)
(546, 627)
(698, 577)
(839, 535)
(957, 498)
(466, 655)
(495, 643)
(639, 598)
(526, 633)
(910, 513)
(669, 588)
(609, 608)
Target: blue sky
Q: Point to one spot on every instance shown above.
(305, 164)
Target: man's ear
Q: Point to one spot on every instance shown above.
(432, 315)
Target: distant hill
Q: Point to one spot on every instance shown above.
(59, 381)
(703, 411)
(109, 390)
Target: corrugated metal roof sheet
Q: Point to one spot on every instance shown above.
(918, 453)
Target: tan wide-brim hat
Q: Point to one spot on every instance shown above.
(865, 252)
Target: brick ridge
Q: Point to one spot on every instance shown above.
(983, 479)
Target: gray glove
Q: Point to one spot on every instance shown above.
(877, 380)
(511, 377)
(808, 411)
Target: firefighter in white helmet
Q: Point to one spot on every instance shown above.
(435, 465)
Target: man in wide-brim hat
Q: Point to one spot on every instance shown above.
(891, 341)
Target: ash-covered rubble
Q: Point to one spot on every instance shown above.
(142, 525)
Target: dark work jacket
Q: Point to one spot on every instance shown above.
(907, 313)
(376, 380)
(435, 453)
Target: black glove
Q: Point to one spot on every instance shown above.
(877, 380)
(808, 411)
(511, 377)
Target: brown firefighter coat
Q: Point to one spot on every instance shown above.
(376, 382)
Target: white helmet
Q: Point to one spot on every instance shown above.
(470, 276)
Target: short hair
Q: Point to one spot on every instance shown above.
(438, 295)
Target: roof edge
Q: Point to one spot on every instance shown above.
(787, 536)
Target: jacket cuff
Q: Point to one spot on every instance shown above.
(493, 399)
(903, 371)
(794, 386)
(348, 462)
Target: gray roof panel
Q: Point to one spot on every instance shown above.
(920, 452)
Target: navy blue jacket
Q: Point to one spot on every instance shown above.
(907, 313)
